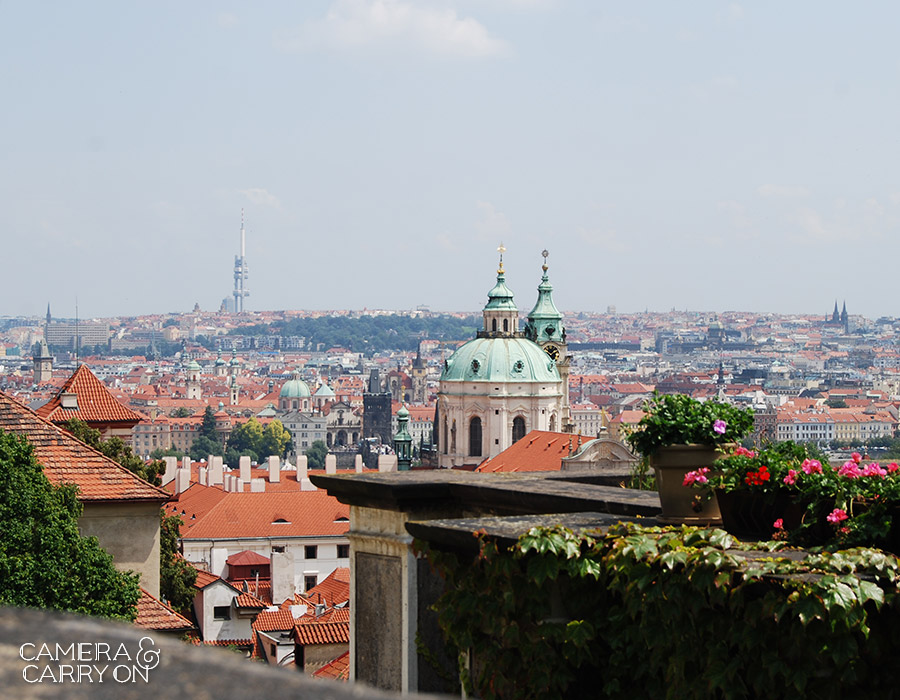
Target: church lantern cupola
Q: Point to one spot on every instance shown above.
(501, 317)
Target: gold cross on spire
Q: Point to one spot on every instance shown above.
(502, 249)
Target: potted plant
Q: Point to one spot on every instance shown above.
(679, 434)
(784, 492)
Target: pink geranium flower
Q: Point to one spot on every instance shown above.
(892, 467)
(811, 466)
(791, 477)
(778, 524)
(850, 470)
(837, 516)
(856, 457)
(696, 477)
(741, 451)
(874, 469)
(720, 427)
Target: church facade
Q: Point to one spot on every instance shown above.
(505, 382)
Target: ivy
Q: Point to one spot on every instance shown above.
(668, 612)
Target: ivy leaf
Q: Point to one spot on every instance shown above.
(542, 568)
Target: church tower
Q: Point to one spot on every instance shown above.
(43, 362)
(418, 374)
(193, 380)
(545, 327)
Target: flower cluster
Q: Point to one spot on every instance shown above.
(696, 477)
(759, 477)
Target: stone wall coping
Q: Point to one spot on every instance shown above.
(501, 494)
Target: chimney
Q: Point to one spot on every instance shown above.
(186, 463)
(274, 469)
(215, 471)
(202, 479)
(282, 575)
(301, 467)
(182, 481)
(245, 468)
(358, 463)
(171, 468)
(257, 485)
(330, 464)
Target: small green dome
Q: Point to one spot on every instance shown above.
(500, 360)
(294, 388)
(193, 366)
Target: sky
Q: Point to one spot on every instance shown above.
(702, 155)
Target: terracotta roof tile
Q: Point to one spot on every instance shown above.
(96, 404)
(334, 588)
(153, 614)
(246, 558)
(317, 632)
(67, 460)
(246, 600)
(539, 450)
(336, 670)
(271, 620)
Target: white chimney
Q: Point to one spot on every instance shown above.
(238, 485)
(257, 485)
(171, 468)
(215, 471)
(186, 463)
(202, 479)
(358, 464)
(217, 561)
(282, 575)
(301, 467)
(245, 468)
(274, 469)
(307, 485)
(330, 464)
(182, 481)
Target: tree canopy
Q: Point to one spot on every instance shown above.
(176, 576)
(252, 440)
(315, 455)
(44, 561)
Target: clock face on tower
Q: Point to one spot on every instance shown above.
(553, 352)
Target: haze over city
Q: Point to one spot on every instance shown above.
(705, 156)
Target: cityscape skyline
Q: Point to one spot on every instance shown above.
(712, 157)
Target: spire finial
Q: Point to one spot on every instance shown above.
(501, 249)
(545, 253)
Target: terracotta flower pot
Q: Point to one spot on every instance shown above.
(682, 504)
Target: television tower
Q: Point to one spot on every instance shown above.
(241, 272)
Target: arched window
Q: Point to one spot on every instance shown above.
(494, 325)
(506, 325)
(553, 423)
(518, 428)
(475, 437)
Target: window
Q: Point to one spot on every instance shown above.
(222, 612)
(343, 551)
(311, 551)
(475, 437)
(518, 428)
(310, 582)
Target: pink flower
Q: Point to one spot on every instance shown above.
(856, 457)
(892, 467)
(850, 470)
(791, 477)
(741, 451)
(778, 524)
(874, 469)
(837, 516)
(811, 466)
(720, 427)
(696, 477)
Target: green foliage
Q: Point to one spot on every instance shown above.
(208, 425)
(370, 333)
(180, 412)
(677, 419)
(176, 576)
(668, 613)
(44, 561)
(256, 442)
(203, 446)
(276, 440)
(159, 453)
(117, 450)
(315, 455)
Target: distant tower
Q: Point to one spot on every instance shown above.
(43, 362)
(241, 272)
(835, 316)
(419, 377)
(845, 318)
(403, 441)
(235, 391)
(193, 380)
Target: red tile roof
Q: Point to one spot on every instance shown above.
(204, 579)
(246, 558)
(272, 620)
(315, 632)
(153, 614)
(279, 514)
(334, 588)
(67, 460)
(337, 670)
(96, 404)
(540, 450)
(246, 600)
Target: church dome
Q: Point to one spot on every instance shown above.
(294, 388)
(502, 359)
(193, 366)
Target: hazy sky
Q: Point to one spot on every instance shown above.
(699, 155)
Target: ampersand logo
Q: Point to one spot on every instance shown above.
(147, 657)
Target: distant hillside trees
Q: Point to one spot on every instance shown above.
(369, 334)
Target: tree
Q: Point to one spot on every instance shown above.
(44, 561)
(181, 412)
(208, 426)
(245, 439)
(117, 450)
(275, 440)
(207, 441)
(176, 576)
(315, 455)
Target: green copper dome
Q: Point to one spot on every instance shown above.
(545, 321)
(501, 297)
(500, 360)
(294, 388)
(193, 366)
